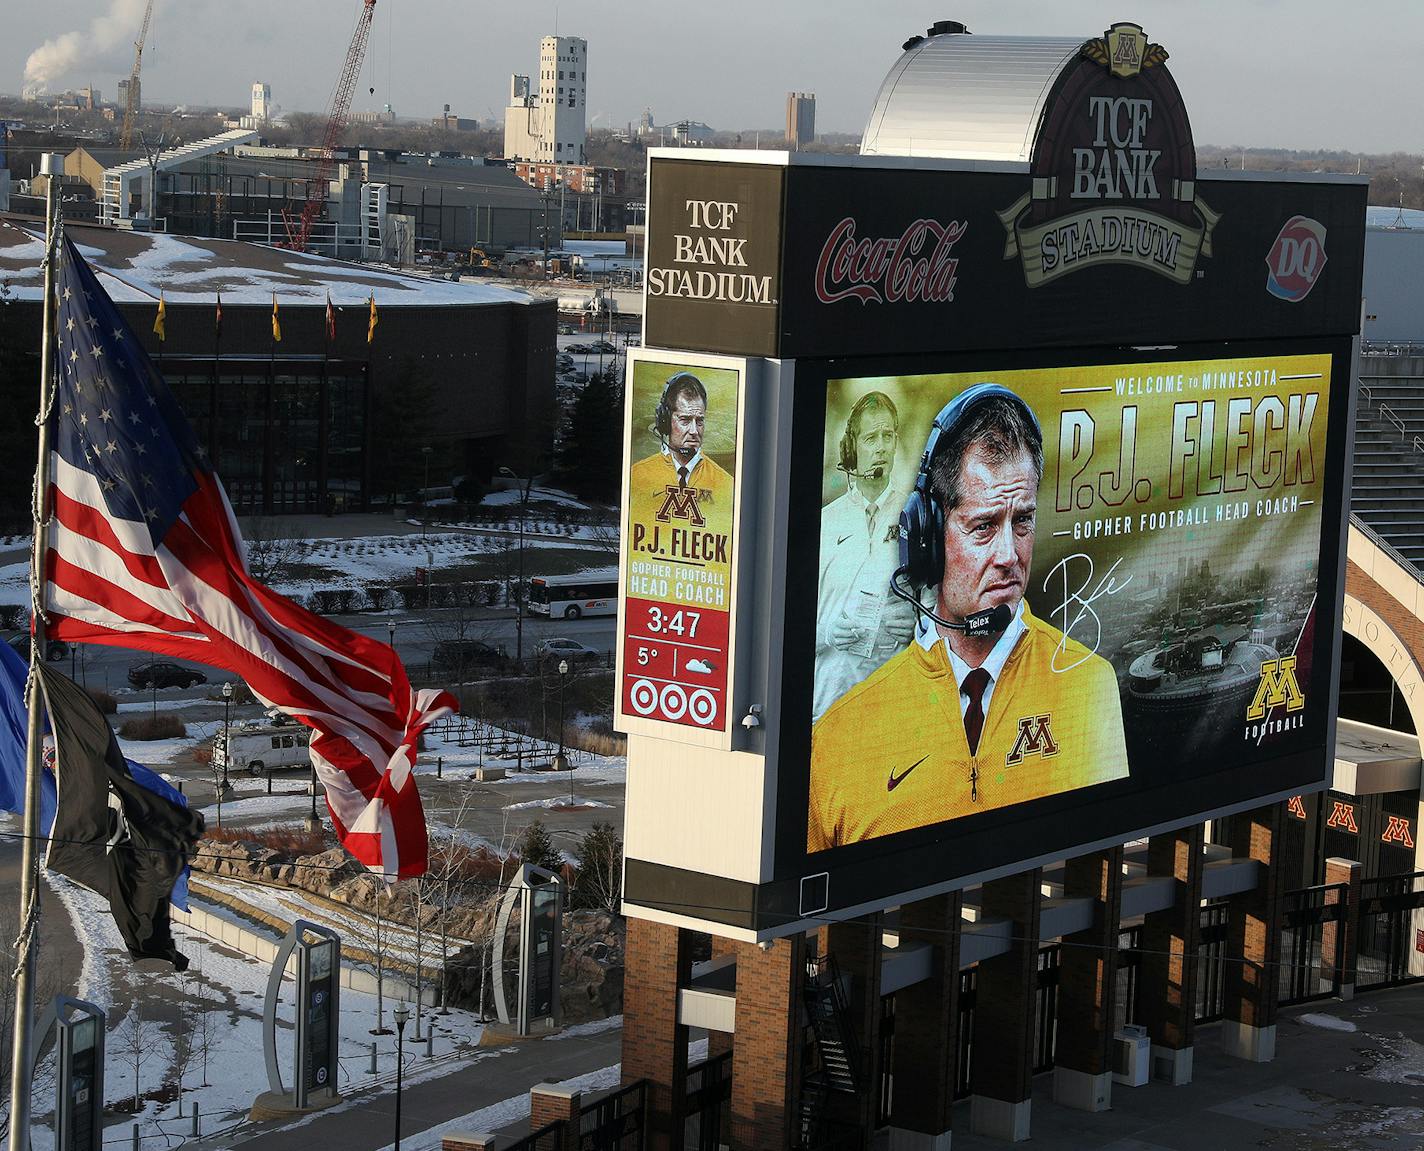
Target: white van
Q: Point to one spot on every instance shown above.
(257, 749)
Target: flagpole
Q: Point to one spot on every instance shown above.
(23, 1039)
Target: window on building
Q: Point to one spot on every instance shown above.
(561, 73)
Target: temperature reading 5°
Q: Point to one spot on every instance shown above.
(678, 623)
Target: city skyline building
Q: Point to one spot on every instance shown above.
(548, 122)
(800, 119)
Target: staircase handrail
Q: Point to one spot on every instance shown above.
(1385, 546)
(1416, 443)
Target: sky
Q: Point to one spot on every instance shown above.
(1299, 74)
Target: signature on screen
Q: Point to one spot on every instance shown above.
(1075, 616)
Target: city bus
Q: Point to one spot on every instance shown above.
(573, 596)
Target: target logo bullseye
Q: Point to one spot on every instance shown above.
(702, 706)
(644, 697)
(673, 701)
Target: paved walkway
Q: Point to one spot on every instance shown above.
(366, 1120)
(1328, 1089)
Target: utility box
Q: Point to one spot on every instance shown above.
(1132, 1056)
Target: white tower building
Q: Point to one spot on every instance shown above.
(261, 101)
(549, 125)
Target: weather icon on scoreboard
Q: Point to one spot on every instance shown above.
(699, 667)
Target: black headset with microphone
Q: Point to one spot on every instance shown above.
(922, 520)
(849, 454)
(662, 414)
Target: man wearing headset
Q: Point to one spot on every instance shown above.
(859, 624)
(678, 482)
(990, 706)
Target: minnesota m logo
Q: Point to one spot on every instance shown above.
(1343, 817)
(681, 504)
(1278, 686)
(1035, 738)
(1397, 832)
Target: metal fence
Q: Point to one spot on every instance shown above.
(1391, 931)
(1306, 971)
(617, 1121)
(545, 1139)
(708, 1104)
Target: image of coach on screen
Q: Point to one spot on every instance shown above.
(988, 705)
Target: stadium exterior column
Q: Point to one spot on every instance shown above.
(658, 962)
(1087, 982)
(1167, 983)
(1004, 1013)
(1253, 938)
(856, 947)
(924, 1059)
(766, 1061)
(1339, 942)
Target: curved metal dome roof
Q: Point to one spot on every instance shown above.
(959, 96)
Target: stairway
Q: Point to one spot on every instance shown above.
(1387, 490)
(832, 1074)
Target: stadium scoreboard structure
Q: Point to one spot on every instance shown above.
(1184, 341)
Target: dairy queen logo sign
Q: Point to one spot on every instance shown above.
(1296, 259)
(1113, 170)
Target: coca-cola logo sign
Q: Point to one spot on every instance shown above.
(916, 266)
(1296, 259)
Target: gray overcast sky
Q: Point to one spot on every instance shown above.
(1260, 73)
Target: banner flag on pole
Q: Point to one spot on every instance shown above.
(330, 320)
(217, 319)
(374, 320)
(111, 833)
(160, 319)
(145, 553)
(276, 322)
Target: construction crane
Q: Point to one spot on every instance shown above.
(337, 118)
(131, 106)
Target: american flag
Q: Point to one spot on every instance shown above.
(144, 552)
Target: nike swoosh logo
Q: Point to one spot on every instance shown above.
(895, 780)
(843, 540)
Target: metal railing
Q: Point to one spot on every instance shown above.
(1391, 911)
(1393, 418)
(1385, 546)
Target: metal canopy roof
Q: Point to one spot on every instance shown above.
(960, 96)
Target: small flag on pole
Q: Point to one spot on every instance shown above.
(160, 319)
(217, 319)
(276, 323)
(330, 320)
(371, 326)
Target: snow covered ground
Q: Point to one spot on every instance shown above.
(228, 988)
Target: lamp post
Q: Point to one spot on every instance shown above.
(226, 786)
(561, 761)
(313, 820)
(519, 588)
(391, 632)
(425, 498)
(402, 1016)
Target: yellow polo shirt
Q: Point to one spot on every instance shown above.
(891, 754)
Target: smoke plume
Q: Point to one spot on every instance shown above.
(108, 41)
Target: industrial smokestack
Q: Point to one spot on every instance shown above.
(106, 43)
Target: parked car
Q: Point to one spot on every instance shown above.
(553, 650)
(156, 674)
(54, 648)
(457, 656)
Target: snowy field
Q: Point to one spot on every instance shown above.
(218, 1004)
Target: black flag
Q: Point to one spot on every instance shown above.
(110, 833)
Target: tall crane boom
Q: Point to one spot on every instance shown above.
(131, 105)
(338, 116)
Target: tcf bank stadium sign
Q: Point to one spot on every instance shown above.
(1113, 168)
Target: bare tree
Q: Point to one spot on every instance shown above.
(135, 1039)
(270, 555)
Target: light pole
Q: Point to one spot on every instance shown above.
(226, 786)
(425, 499)
(313, 820)
(561, 761)
(402, 1016)
(519, 588)
(391, 632)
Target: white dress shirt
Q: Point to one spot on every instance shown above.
(926, 635)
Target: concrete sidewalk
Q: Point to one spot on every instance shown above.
(365, 1120)
(1328, 1089)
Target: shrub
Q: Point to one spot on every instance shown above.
(289, 840)
(536, 846)
(105, 702)
(12, 615)
(153, 727)
(380, 597)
